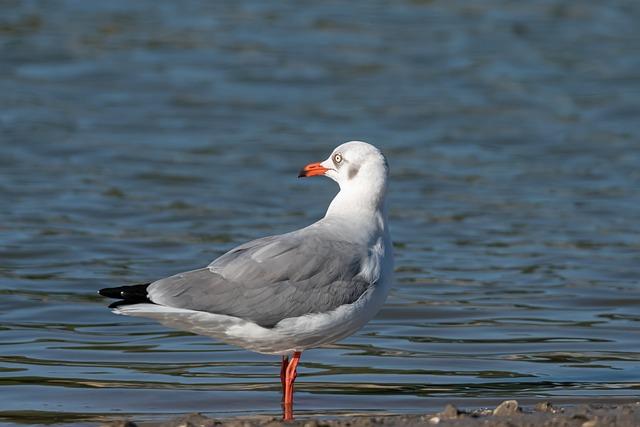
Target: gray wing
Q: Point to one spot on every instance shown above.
(270, 279)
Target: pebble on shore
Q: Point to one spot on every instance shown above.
(508, 413)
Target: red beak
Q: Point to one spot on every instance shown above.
(312, 169)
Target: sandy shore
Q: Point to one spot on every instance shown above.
(508, 414)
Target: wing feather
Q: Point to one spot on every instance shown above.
(270, 279)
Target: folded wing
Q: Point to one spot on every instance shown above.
(270, 279)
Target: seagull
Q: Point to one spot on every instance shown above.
(284, 294)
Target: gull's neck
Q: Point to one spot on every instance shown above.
(351, 202)
(362, 205)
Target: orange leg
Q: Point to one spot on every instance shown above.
(287, 412)
(290, 374)
(283, 374)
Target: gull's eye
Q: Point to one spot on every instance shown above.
(337, 158)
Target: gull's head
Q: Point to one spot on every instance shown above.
(354, 164)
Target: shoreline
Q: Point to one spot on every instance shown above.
(509, 413)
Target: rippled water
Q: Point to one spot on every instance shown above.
(140, 139)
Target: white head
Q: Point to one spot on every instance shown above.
(361, 171)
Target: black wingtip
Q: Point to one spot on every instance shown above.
(128, 294)
(111, 292)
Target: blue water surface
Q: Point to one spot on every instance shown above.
(141, 139)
